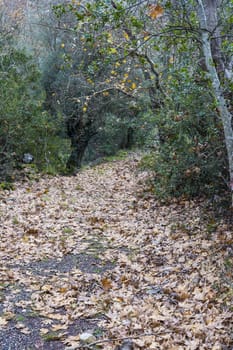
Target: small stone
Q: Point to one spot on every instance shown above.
(87, 337)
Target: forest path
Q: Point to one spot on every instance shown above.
(95, 253)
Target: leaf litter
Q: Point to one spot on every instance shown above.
(93, 260)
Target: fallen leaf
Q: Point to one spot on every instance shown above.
(3, 322)
(106, 284)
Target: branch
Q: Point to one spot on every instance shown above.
(151, 63)
(129, 7)
(95, 93)
(117, 88)
(89, 346)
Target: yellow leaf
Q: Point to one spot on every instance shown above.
(84, 108)
(112, 50)
(126, 36)
(133, 86)
(155, 11)
(90, 81)
(25, 238)
(62, 45)
(46, 287)
(105, 93)
(109, 41)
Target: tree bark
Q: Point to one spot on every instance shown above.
(79, 144)
(211, 10)
(225, 114)
(80, 133)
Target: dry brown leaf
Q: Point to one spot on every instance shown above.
(122, 255)
(55, 316)
(106, 284)
(155, 11)
(25, 331)
(72, 340)
(58, 327)
(3, 322)
(44, 331)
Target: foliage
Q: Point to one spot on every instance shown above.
(6, 186)
(26, 126)
(77, 84)
(191, 159)
(109, 138)
(162, 42)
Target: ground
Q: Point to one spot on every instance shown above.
(96, 253)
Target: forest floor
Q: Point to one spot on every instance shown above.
(94, 258)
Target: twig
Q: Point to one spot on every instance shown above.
(89, 346)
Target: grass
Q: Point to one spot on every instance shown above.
(20, 318)
(52, 336)
(67, 230)
(6, 186)
(79, 188)
(15, 221)
(121, 155)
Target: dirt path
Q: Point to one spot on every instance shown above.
(91, 254)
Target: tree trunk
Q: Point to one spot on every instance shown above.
(79, 144)
(80, 132)
(211, 12)
(216, 83)
(127, 139)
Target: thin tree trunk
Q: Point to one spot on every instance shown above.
(78, 147)
(217, 88)
(211, 7)
(80, 133)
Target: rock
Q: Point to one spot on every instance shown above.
(28, 158)
(87, 337)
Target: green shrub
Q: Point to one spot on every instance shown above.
(191, 157)
(25, 126)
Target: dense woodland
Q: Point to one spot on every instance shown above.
(116, 174)
(81, 80)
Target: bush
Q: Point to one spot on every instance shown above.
(191, 158)
(25, 126)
